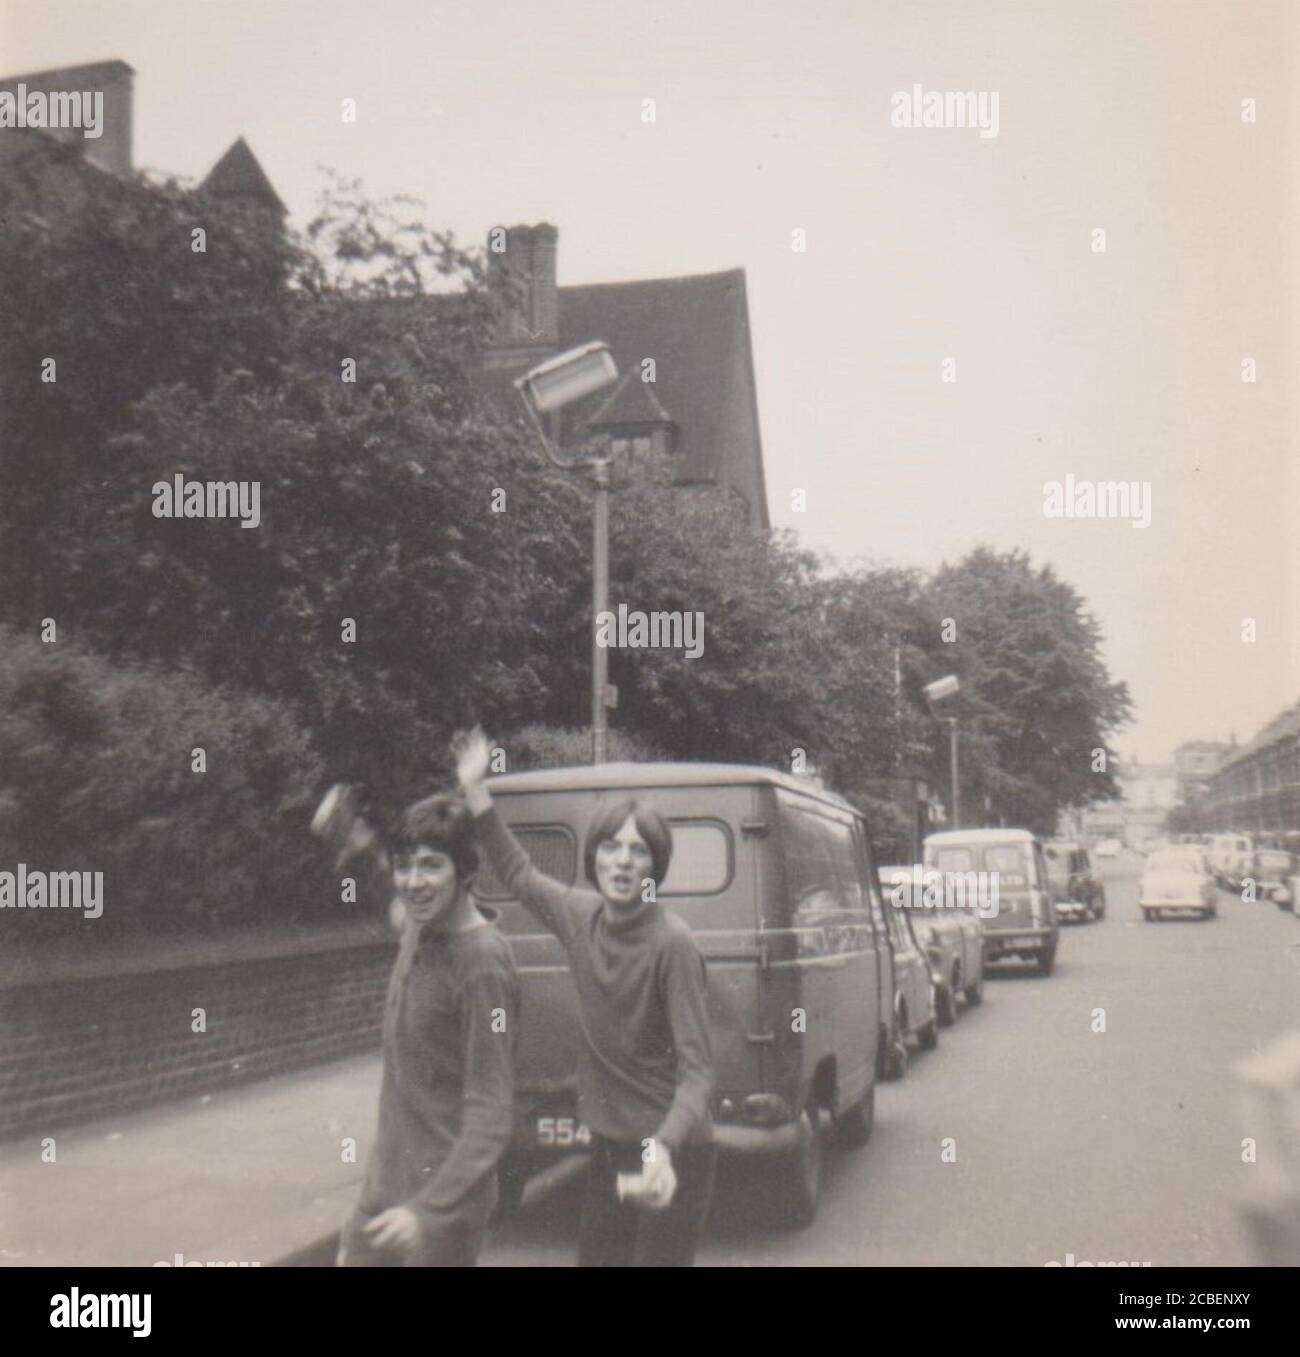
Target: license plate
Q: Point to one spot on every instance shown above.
(562, 1132)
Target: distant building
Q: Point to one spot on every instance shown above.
(1257, 786)
(1148, 792)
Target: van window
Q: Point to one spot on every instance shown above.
(821, 865)
(1008, 861)
(953, 859)
(701, 861)
(552, 849)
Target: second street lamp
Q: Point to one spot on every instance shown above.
(545, 390)
(937, 691)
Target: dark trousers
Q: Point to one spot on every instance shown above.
(619, 1234)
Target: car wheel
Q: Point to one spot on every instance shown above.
(854, 1126)
(1210, 912)
(927, 1035)
(1046, 960)
(896, 1055)
(1147, 914)
(799, 1175)
(975, 992)
(946, 1003)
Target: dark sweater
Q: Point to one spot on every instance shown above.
(446, 1097)
(645, 1068)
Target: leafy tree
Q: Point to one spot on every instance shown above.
(1037, 703)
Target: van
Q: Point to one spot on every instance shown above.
(775, 878)
(1076, 893)
(1231, 858)
(1025, 923)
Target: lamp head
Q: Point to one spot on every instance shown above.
(568, 377)
(941, 688)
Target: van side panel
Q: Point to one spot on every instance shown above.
(820, 997)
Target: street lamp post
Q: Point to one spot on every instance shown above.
(937, 691)
(544, 390)
(599, 605)
(952, 763)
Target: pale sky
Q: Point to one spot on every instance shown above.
(922, 244)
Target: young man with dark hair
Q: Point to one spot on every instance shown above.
(446, 1097)
(645, 1067)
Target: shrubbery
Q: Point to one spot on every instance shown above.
(96, 774)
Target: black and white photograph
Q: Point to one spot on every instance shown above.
(650, 635)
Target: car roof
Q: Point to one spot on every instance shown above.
(625, 776)
(981, 836)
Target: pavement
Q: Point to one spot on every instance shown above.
(246, 1175)
(1104, 1145)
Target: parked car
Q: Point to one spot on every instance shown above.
(916, 990)
(1176, 879)
(1272, 876)
(775, 878)
(1230, 858)
(1076, 893)
(953, 938)
(1011, 860)
(1108, 848)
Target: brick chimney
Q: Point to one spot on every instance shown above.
(529, 312)
(113, 80)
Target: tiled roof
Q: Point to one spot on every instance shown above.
(694, 329)
(239, 175)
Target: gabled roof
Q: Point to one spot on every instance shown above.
(632, 401)
(697, 331)
(238, 174)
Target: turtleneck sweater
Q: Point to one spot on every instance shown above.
(645, 1068)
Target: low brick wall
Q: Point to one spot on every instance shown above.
(80, 1048)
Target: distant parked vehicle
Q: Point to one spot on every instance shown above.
(1231, 856)
(953, 939)
(1108, 848)
(1272, 876)
(1025, 924)
(1176, 879)
(915, 993)
(1076, 893)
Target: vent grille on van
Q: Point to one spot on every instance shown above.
(552, 851)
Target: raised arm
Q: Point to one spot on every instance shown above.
(548, 900)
